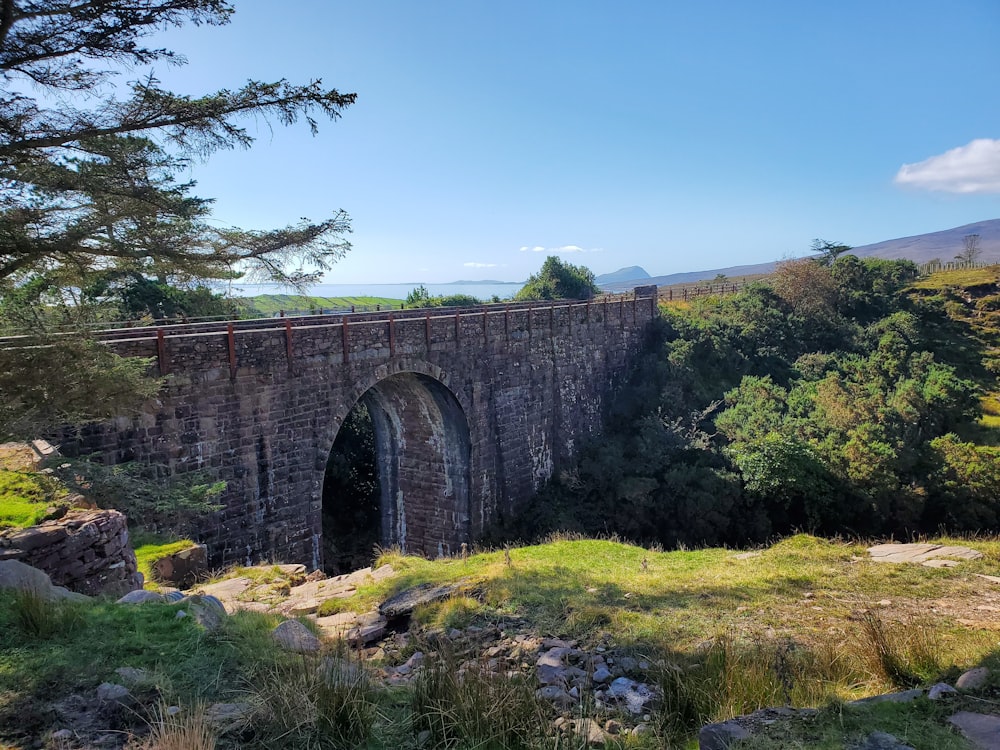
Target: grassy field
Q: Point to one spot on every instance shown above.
(271, 304)
(805, 622)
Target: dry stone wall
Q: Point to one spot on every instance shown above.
(510, 393)
(86, 551)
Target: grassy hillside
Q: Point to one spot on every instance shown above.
(803, 622)
(271, 304)
(971, 299)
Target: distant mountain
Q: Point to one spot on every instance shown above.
(943, 246)
(922, 248)
(632, 273)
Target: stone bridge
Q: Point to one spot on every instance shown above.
(472, 410)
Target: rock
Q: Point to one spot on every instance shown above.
(588, 730)
(367, 632)
(920, 553)
(292, 635)
(937, 563)
(109, 692)
(601, 674)
(613, 726)
(721, 735)
(555, 695)
(183, 568)
(338, 625)
(406, 601)
(141, 596)
(228, 716)
(423, 737)
(981, 729)
(940, 690)
(904, 696)
(881, 741)
(991, 579)
(306, 598)
(973, 679)
(633, 695)
(228, 591)
(86, 551)
(640, 730)
(206, 610)
(16, 575)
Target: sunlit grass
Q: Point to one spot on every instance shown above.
(150, 547)
(964, 277)
(25, 497)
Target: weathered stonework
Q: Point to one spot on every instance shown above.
(86, 551)
(472, 411)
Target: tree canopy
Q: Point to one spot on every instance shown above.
(89, 177)
(94, 218)
(834, 398)
(559, 280)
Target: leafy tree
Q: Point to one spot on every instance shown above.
(559, 280)
(806, 285)
(828, 251)
(89, 179)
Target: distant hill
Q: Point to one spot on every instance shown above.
(632, 273)
(943, 246)
(922, 248)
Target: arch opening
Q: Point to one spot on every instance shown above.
(398, 474)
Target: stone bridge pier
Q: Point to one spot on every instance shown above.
(471, 409)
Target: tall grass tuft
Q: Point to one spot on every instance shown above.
(185, 730)
(38, 617)
(311, 702)
(735, 676)
(472, 707)
(903, 655)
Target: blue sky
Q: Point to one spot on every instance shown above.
(673, 135)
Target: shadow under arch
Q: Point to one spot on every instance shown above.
(422, 453)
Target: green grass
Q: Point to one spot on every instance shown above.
(25, 497)
(804, 622)
(271, 304)
(152, 547)
(967, 277)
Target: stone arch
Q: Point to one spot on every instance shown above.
(423, 455)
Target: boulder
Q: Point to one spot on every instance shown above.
(940, 690)
(881, 741)
(292, 635)
(406, 601)
(973, 679)
(16, 575)
(141, 596)
(206, 610)
(920, 553)
(183, 568)
(983, 730)
(721, 735)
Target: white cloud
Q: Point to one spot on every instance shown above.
(480, 265)
(973, 168)
(564, 249)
